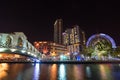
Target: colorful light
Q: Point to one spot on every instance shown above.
(104, 36)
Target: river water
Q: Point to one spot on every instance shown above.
(37, 71)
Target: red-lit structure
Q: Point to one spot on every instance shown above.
(50, 48)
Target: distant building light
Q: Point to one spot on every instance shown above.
(35, 42)
(44, 42)
(40, 42)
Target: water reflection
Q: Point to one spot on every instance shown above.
(27, 72)
(78, 72)
(4, 67)
(53, 72)
(88, 72)
(14, 71)
(36, 71)
(62, 72)
(59, 71)
(105, 72)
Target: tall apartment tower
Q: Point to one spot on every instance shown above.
(58, 29)
(74, 39)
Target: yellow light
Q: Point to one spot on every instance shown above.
(53, 54)
(0, 55)
(44, 42)
(37, 44)
(3, 70)
(68, 53)
(17, 56)
(40, 42)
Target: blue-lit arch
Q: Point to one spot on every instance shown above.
(102, 35)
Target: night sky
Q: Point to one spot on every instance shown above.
(36, 18)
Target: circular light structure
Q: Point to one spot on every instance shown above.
(105, 36)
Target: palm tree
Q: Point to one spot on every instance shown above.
(88, 51)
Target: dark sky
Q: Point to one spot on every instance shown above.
(36, 18)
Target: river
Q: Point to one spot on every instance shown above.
(37, 71)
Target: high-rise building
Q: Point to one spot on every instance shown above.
(58, 28)
(74, 39)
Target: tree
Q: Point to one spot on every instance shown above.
(87, 51)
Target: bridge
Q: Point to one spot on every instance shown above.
(17, 43)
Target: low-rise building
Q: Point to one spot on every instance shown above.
(51, 49)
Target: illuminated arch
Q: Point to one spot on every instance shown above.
(20, 42)
(104, 36)
(8, 41)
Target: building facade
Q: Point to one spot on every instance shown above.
(74, 39)
(58, 28)
(50, 48)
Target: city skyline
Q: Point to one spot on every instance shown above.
(36, 19)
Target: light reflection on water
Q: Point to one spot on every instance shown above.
(62, 72)
(88, 72)
(36, 71)
(103, 72)
(4, 67)
(53, 72)
(59, 71)
(78, 72)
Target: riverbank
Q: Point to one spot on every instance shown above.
(67, 62)
(78, 62)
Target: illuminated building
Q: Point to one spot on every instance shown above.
(58, 27)
(50, 48)
(74, 39)
(42, 46)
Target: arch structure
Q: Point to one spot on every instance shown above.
(101, 36)
(17, 43)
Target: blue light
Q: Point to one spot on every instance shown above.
(36, 71)
(102, 35)
(36, 60)
(78, 58)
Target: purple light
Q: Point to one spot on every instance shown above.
(102, 35)
(64, 33)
